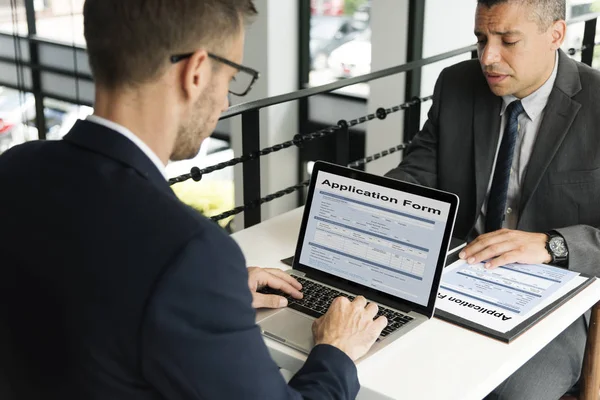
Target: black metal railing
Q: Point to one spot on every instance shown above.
(250, 112)
(251, 125)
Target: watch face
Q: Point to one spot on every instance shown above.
(557, 245)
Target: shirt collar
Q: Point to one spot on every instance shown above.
(535, 103)
(131, 136)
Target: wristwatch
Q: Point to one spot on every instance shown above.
(557, 248)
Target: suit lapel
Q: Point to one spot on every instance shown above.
(559, 114)
(486, 131)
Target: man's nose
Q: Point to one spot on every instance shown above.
(489, 55)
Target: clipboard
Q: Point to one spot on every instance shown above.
(506, 337)
(512, 334)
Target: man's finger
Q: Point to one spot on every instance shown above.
(477, 242)
(260, 300)
(379, 324)
(277, 283)
(480, 244)
(492, 251)
(341, 300)
(505, 259)
(371, 310)
(360, 302)
(476, 246)
(286, 277)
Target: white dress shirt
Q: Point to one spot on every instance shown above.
(529, 124)
(131, 136)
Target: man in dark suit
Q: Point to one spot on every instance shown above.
(520, 145)
(110, 287)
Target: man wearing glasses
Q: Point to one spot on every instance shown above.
(240, 84)
(110, 287)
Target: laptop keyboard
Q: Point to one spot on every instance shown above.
(317, 299)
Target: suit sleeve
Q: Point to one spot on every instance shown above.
(200, 339)
(420, 162)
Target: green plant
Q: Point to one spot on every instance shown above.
(350, 6)
(596, 6)
(596, 60)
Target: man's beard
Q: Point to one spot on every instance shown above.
(192, 132)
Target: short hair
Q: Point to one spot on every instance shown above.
(546, 11)
(129, 42)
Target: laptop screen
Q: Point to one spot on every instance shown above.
(382, 238)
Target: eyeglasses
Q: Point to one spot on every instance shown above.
(241, 83)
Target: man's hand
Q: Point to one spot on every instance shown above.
(275, 279)
(506, 247)
(349, 326)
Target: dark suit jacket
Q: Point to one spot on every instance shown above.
(561, 190)
(111, 288)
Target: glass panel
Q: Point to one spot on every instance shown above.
(340, 42)
(596, 61)
(574, 37)
(17, 108)
(60, 20)
(579, 8)
(18, 117)
(13, 19)
(61, 116)
(439, 20)
(574, 40)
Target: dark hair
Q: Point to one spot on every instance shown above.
(130, 41)
(546, 11)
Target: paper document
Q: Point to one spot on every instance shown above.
(503, 297)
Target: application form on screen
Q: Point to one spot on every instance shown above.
(379, 237)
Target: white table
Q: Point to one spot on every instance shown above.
(437, 360)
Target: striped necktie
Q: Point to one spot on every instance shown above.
(496, 208)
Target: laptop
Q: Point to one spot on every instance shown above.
(368, 235)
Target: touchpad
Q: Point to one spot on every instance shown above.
(289, 327)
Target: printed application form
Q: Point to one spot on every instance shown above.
(376, 236)
(515, 287)
(503, 297)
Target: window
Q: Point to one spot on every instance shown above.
(16, 109)
(13, 19)
(577, 10)
(574, 37)
(439, 20)
(18, 117)
(340, 42)
(60, 20)
(61, 116)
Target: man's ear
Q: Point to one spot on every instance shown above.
(558, 30)
(195, 74)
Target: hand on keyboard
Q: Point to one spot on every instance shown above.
(318, 299)
(350, 326)
(276, 280)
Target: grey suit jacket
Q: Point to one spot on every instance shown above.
(561, 190)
